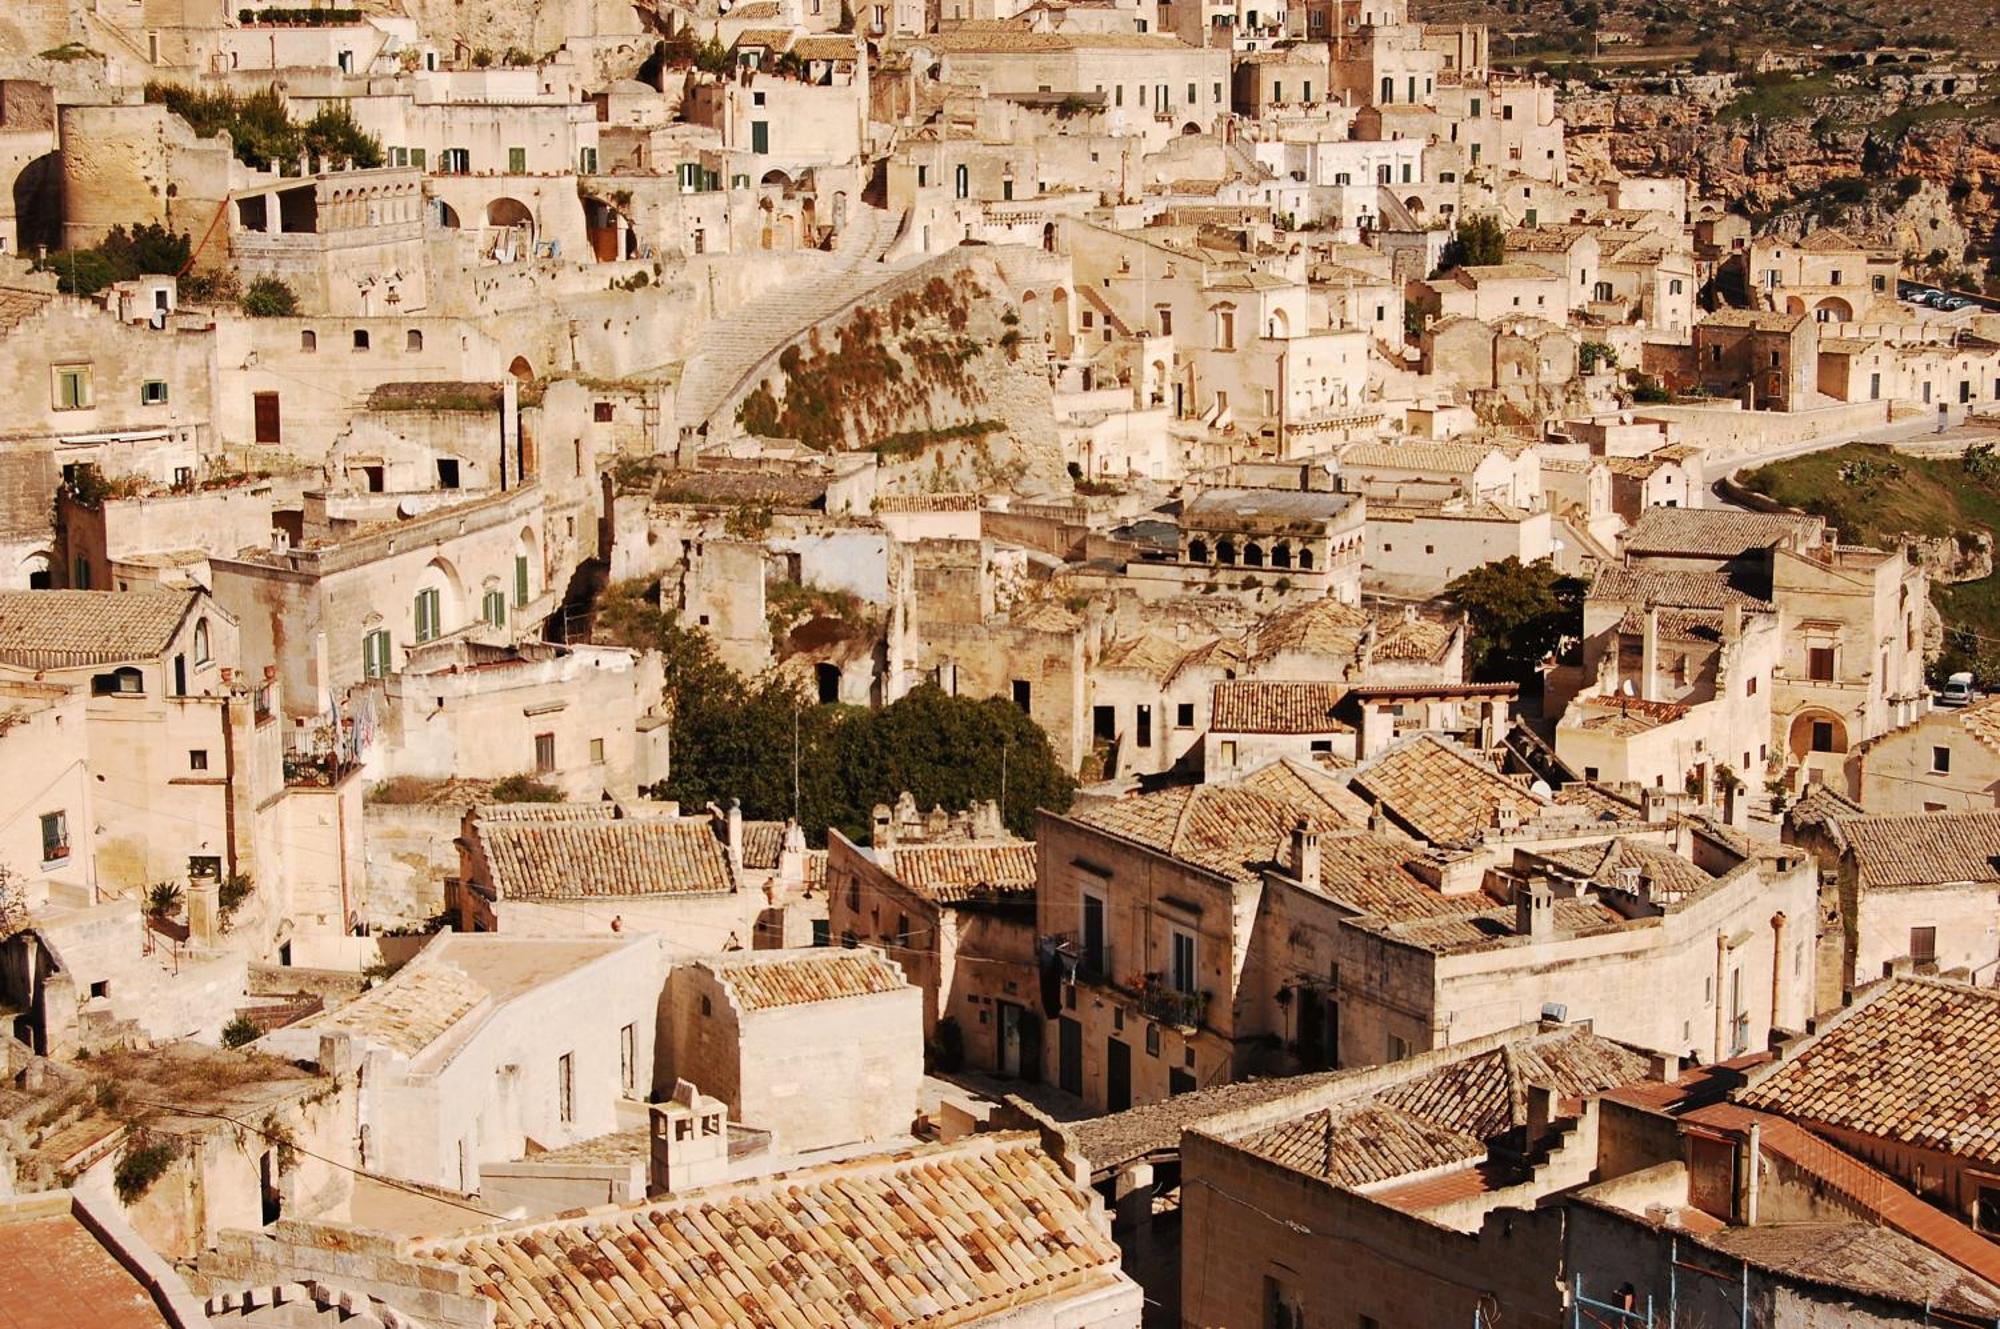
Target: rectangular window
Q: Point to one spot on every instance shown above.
(55, 836)
(72, 388)
(1986, 1213)
(375, 653)
(586, 161)
(1143, 727)
(153, 392)
(520, 581)
(545, 753)
(493, 608)
(1023, 694)
(628, 1057)
(597, 751)
(1184, 715)
(1819, 664)
(1183, 972)
(565, 1089)
(1923, 945)
(1941, 761)
(428, 620)
(264, 406)
(197, 759)
(1822, 736)
(447, 468)
(517, 161)
(1228, 752)
(760, 136)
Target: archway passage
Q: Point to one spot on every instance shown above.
(511, 230)
(522, 370)
(1833, 309)
(1816, 731)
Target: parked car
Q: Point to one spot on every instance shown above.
(1957, 691)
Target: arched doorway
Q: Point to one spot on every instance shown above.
(1816, 732)
(1833, 309)
(510, 228)
(521, 369)
(1059, 330)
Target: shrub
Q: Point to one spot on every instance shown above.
(270, 297)
(162, 898)
(120, 256)
(141, 1166)
(525, 789)
(240, 1031)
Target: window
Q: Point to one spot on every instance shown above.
(413, 340)
(198, 759)
(309, 341)
(55, 836)
(72, 387)
(1184, 715)
(1023, 694)
(1822, 736)
(628, 1058)
(597, 752)
(1923, 945)
(429, 623)
(493, 608)
(565, 1089)
(375, 654)
(961, 182)
(265, 408)
(1143, 727)
(447, 468)
(1750, 686)
(1228, 752)
(545, 753)
(1819, 663)
(1283, 1308)
(1399, 1048)
(201, 656)
(760, 136)
(586, 161)
(1183, 972)
(517, 161)
(603, 412)
(153, 392)
(520, 581)
(1986, 1213)
(1941, 761)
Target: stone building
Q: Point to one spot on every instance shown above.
(1947, 761)
(819, 1047)
(1919, 892)
(958, 916)
(482, 1049)
(1768, 360)
(1309, 540)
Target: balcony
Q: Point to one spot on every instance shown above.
(1160, 1000)
(315, 769)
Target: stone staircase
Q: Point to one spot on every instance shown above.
(737, 344)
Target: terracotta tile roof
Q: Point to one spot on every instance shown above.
(1323, 627)
(18, 304)
(951, 873)
(1546, 239)
(1828, 240)
(1415, 1197)
(56, 1272)
(1823, 809)
(1453, 458)
(826, 46)
(1370, 874)
(1606, 805)
(1229, 830)
(1668, 877)
(1762, 320)
(1982, 721)
(1441, 793)
(1855, 1184)
(1914, 1062)
(1625, 715)
(1707, 532)
(937, 1237)
(1487, 929)
(1149, 654)
(763, 841)
(1045, 616)
(1681, 590)
(1448, 1115)
(767, 980)
(66, 629)
(1862, 1257)
(1272, 511)
(1924, 848)
(1416, 640)
(579, 859)
(1118, 1138)
(409, 1012)
(927, 502)
(1254, 706)
(1300, 785)
(1474, 274)
(1682, 625)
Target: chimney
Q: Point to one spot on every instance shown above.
(882, 827)
(1649, 654)
(1305, 854)
(735, 833)
(336, 1055)
(1663, 1067)
(1541, 1111)
(1534, 910)
(1732, 621)
(689, 1144)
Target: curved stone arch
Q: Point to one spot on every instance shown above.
(529, 546)
(1835, 309)
(441, 575)
(1799, 736)
(521, 369)
(33, 565)
(1253, 554)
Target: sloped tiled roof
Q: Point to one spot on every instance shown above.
(1323, 627)
(937, 1237)
(1447, 1115)
(950, 873)
(1916, 1062)
(1417, 640)
(1226, 829)
(587, 859)
(1455, 458)
(1255, 706)
(763, 841)
(66, 629)
(1301, 785)
(1707, 532)
(1865, 1258)
(1149, 654)
(763, 981)
(1669, 877)
(408, 1013)
(1924, 848)
(1678, 589)
(1441, 793)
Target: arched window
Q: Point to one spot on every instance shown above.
(1306, 559)
(201, 641)
(361, 339)
(1197, 551)
(308, 341)
(1225, 553)
(962, 181)
(413, 340)
(1253, 555)
(1281, 555)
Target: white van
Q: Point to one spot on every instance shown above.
(1957, 691)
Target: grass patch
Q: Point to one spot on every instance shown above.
(1900, 123)
(911, 441)
(1778, 96)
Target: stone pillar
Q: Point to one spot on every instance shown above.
(204, 906)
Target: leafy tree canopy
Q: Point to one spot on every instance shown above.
(1479, 241)
(739, 738)
(261, 128)
(119, 256)
(1519, 614)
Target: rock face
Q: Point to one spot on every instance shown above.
(1966, 556)
(1775, 166)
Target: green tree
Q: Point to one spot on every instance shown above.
(1519, 614)
(1479, 241)
(270, 297)
(120, 256)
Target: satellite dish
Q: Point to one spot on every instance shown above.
(407, 507)
(1540, 789)
(1625, 688)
